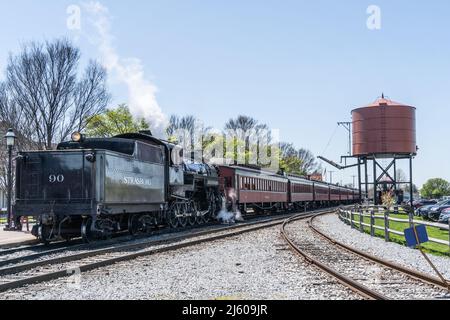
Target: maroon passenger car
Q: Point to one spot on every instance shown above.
(260, 190)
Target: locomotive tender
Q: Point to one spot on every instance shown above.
(96, 187)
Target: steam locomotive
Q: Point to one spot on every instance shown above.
(134, 182)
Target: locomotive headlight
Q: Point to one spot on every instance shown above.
(77, 137)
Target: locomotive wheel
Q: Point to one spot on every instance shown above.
(199, 220)
(173, 219)
(206, 218)
(44, 234)
(182, 222)
(135, 226)
(192, 220)
(86, 232)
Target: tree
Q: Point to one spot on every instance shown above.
(435, 188)
(308, 161)
(301, 162)
(244, 123)
(246, 128)
(186, 123)
(114, 122)
(289, 161)
(45, 96)
(190, 133)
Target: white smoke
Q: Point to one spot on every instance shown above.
(142, 92)
(230, 217)
(226, 217)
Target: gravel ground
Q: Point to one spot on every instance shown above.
(332, 226)
(256, 265)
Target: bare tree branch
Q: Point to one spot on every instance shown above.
(42, 83)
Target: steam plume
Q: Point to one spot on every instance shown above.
(130, 71)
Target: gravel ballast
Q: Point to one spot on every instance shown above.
(256, 265)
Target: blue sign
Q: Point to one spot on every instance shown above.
(410, 236)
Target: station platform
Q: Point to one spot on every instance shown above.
(9, 239)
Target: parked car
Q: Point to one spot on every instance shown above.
(445, 216)
(423, 211)
(435, 211)
(420, 203)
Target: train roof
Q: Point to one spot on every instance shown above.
(254, 171)
(144, 136)
(114, 144)
(290, 177)
(123, 143)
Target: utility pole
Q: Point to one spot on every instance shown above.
(348, 127)
(353, 180)
(10, 138)
(331, 176)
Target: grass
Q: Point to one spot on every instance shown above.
(3, 221)
(430, 247)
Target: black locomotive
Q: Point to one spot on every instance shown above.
(97, 187)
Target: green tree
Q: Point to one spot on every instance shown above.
(293, 161)
(114, 122)
(435, 188)
(292, 165)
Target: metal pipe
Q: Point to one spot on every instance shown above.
(9, 187)
(366, 178)
(375, 186)
(359, 179)
(410, 213)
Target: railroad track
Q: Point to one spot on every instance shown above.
(12, 256)
(369, 276)
(34, 252)
(30, 248)
(18, 275)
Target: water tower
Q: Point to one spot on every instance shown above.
(384, 132)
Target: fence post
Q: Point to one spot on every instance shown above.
(410, 216)
(372, 223)
(351, 218)
(361, 227)
(386, 225)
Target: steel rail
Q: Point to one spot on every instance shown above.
(31, 247)
(409, 272)
(346, 281)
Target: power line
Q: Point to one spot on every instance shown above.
(331, 139)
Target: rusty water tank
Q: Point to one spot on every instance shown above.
(384, 128)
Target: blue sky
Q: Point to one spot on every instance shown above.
(299, 66)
